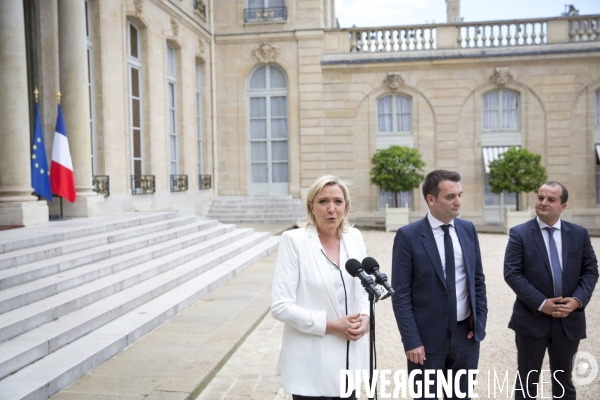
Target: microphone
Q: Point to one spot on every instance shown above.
(355, 268)
(371, 266)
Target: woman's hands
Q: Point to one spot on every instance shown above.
(352, 327)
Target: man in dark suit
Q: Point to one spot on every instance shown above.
(551, 266)
(440, 302)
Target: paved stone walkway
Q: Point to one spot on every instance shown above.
(259, 353)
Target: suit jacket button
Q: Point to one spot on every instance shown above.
(445, 293)
(445, 312)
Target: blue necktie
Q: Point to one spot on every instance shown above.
(554, 262)
(450, 277)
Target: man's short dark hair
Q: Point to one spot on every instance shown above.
(433, 179)
(564, 196)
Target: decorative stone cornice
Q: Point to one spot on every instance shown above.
(174, 26)
(139, 6)
(265, 53)
(201, 46)
(393, 81)
(501, 76)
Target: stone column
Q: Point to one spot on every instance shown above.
(17, 205)
(76, 106)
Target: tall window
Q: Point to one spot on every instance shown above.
(394, 127)
(90, 61)
(493, 199)
(134, 66)
(199, 116)
(501, 110)
(172, 110)
(597, 147)
(269, 160)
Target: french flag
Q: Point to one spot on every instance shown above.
(62, 181)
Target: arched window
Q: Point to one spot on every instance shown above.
(394, 127)
(501, 110)
(268, 131)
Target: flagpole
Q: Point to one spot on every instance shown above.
(58, 96)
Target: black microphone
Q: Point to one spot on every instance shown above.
(355, 268)
(371, 266)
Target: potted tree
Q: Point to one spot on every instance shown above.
(516, 171)
(397, 169)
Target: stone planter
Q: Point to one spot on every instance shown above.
(395, 218)
(514, 218)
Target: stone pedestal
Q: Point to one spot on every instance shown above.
(514, 218)
(395, 218)
(29, 213)
(82, 207)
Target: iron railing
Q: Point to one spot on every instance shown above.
(204, 181)
(101, 184)
(179, 183)
(265, 14)
(142, 184)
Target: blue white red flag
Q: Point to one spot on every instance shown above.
(40, 174)
(62, 180)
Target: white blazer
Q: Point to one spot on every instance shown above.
(303, 298)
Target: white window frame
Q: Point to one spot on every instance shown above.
(500, 136)
(394, 137)
(199, 117)
(397, 137)
(172, 110)
(91, 91)
(135, 63)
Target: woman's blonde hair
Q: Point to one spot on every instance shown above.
(313, 191)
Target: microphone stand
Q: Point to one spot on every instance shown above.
(371, 341)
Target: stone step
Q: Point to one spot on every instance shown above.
(37, 343)
(30, 292)
(254, 211)
(56, 231)
(266, 206)
(31, 254)
(58, 369)
(40, 269)
(257, 218)
(18, 321)
(286, 197)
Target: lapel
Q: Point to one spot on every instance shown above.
(323, 270)
(352, 250)
(536, 234)
(468, 248)
(431, 249)
(566, 243)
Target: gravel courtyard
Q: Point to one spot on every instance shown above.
(498, 352)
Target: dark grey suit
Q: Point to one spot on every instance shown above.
(421, 299)
(528, 272)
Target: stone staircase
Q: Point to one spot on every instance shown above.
(75, 293)
(268, 209)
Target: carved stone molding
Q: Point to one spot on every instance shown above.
(393, 81)
(501, 76)
(265, 52)
(201, 46)
(174, 26)
(139, 6)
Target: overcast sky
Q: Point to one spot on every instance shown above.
(371, 13)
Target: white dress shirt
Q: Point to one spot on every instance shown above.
(463, 310)
(344, 290)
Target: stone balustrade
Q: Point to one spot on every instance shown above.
(489, 34)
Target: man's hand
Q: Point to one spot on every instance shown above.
(417, 355)
(551, 306)
(564, 308)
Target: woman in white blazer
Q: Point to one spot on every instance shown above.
(325, 310)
